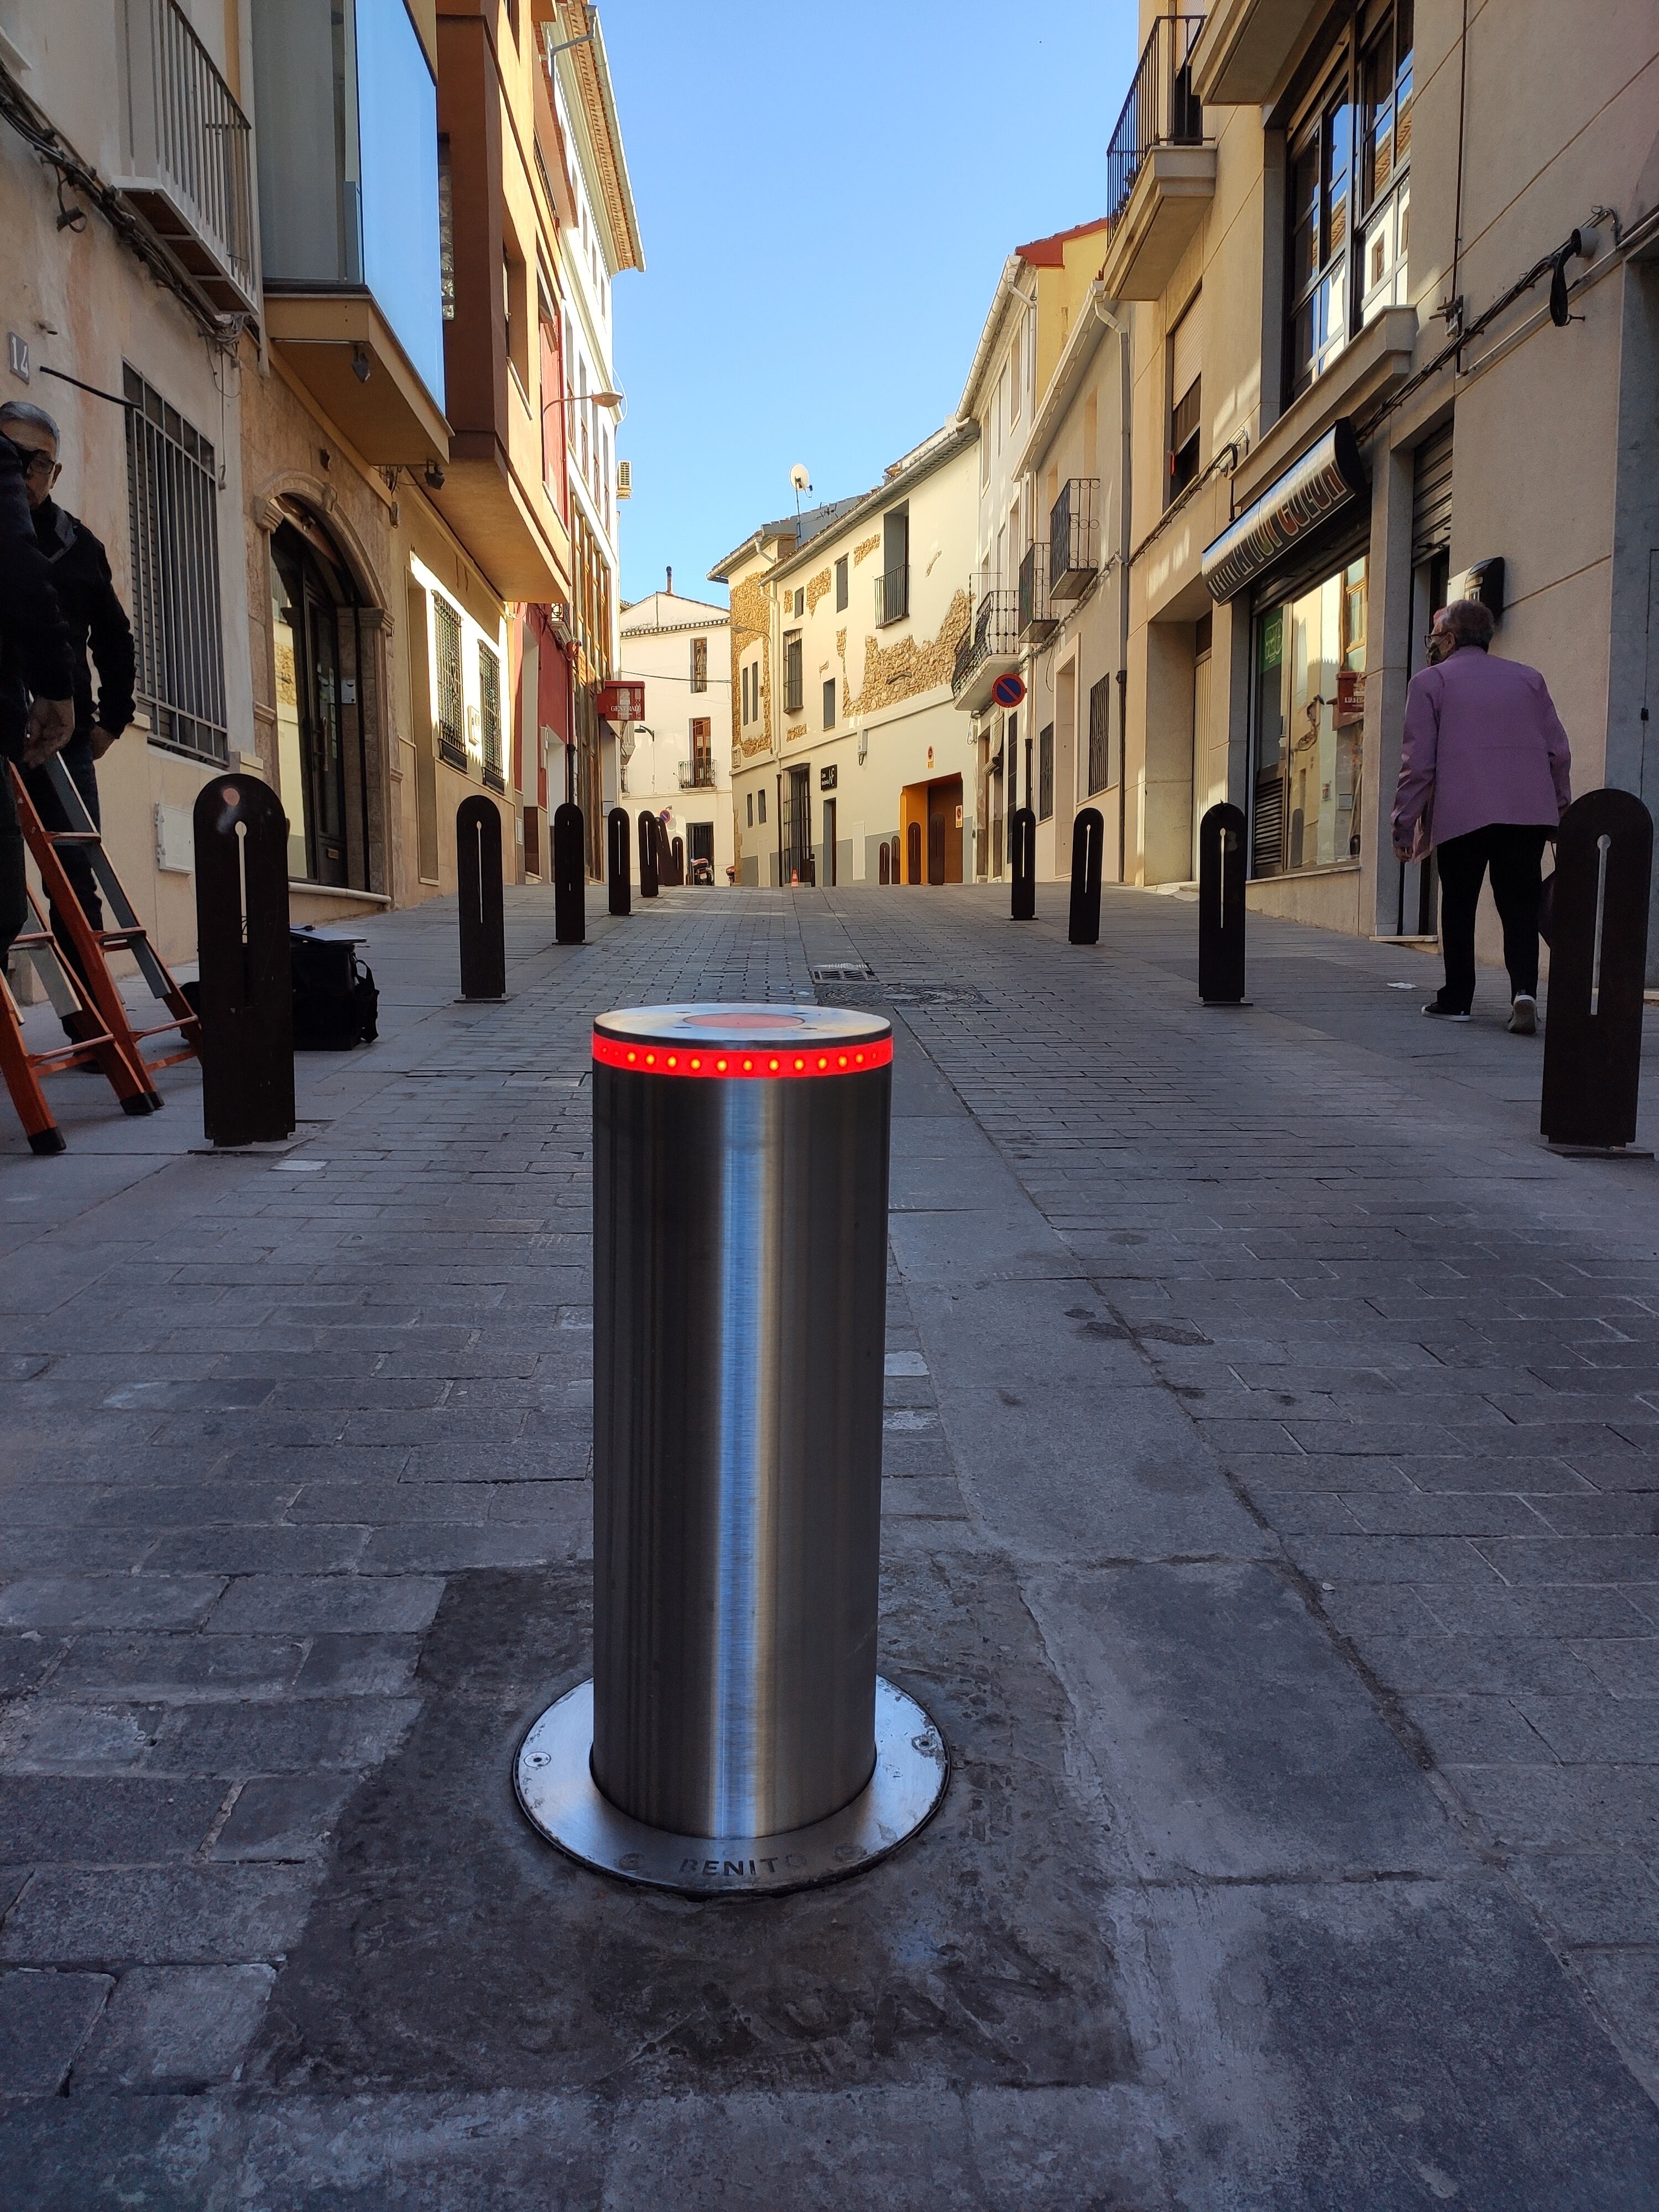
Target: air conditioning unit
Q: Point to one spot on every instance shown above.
(558, 621)
(624, 479)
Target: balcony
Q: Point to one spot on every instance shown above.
(1036, 619)
(347, 154)
(1246, 49)
(188, 154)
(990, 649)
(697, 774)
(893, 595)
(1160, 176)
(1074, 538)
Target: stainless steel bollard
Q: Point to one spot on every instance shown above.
(736, 1734)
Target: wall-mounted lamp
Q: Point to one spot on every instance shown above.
(435, 476)
(359, 364)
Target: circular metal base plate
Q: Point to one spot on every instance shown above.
(562, 1803)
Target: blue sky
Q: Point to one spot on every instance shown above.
(826, 193)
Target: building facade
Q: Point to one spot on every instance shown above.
(299, 287)
(1395, 316)
(676, 764)
(848, 764)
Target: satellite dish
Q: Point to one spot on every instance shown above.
(800, 478)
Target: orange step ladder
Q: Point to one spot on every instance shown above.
(106, 1038)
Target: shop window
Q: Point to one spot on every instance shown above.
(1349, 178)
(1309, 707)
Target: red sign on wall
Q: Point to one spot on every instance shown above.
(623, 702)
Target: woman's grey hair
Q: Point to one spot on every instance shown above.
(1469, 621)
(24, 410)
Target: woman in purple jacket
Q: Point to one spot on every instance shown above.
(1485, 776)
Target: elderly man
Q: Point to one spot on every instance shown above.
(1485, 776)
(34, 659)
(79, 569)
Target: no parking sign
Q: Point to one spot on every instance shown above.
(1008, 690)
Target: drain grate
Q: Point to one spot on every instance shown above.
(842, 971)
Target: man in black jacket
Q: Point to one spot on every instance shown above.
(36, 663)
(97, 622)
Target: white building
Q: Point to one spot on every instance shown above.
(674, 764)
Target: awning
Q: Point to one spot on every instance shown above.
(1326, 477)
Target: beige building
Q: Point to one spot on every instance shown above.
(1342, 229)
(675, 764)
(848, 764)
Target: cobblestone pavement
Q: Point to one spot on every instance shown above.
(1270, 1525)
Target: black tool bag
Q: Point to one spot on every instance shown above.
(335, 1000)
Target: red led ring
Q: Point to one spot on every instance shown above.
(610, 1051)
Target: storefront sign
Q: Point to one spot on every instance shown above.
(1327, 476)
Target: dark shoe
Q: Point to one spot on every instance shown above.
(1439, 1011)
(1523, 1015)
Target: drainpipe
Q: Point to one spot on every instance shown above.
(1105, 315)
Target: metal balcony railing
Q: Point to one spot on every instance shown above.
(697, 774)
(1073, 534)
(992, 633)
(893, 594)
(1162, 108)
(188, 150)
(1036, 619)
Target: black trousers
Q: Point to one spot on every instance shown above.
(14, 907)
(77, 757)
(1513, 852)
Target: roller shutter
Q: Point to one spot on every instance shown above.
(1431, 496)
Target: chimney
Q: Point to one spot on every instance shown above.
(671, 583)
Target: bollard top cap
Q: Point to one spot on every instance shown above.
(766, 1041)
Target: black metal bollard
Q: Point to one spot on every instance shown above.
(1598, 959)
(647, 856)
(246, 987)
(478, 877)
(569, 875)
(1221, 908)
(618, 859)
(677, 847)
(1088, 850)
(1022, 855)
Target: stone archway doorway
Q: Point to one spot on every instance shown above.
(323, 703)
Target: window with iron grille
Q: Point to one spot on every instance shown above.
(452, 713)
(1100, 735)
(792, 674)
(700, 663)
(489, 717)
(173, 506)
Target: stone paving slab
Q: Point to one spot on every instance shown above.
(1269, 1439)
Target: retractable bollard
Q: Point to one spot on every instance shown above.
(478, 886)
(647, 856)
(569, 875)
(618, 859)
(1598, 961)
(1221, 908)
(1021, 857)
(246, 988)
(676, 846)
(736, 1737)
(1088, 850)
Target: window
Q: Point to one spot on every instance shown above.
(841, 585)
(893, 585)
(760, 805)
(1014, 381)
(1385, 123)
(172, 510)
(1186, 388)
(749, 811)
(445, 233)
(792, 673)
(829, 703)
(700, 663)
(1045, 771)
(702, 756)
(1310, 701)
(1100, 735)
(1352, 147)
(489, 716)
(800, 603)
(451, 717)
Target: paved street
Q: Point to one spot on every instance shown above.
(1269, 1525)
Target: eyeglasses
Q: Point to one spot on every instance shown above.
(39, 464)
